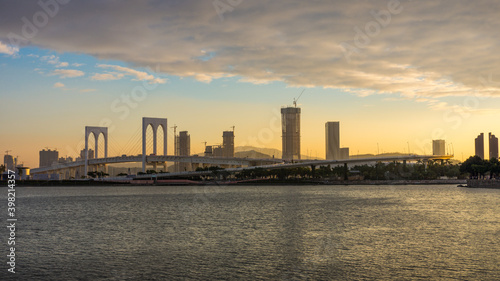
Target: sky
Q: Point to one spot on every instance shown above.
(395, 74)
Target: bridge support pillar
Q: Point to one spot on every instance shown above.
(96, 131)
(155, 123)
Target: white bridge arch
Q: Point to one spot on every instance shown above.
(155, 123)
(96, 131)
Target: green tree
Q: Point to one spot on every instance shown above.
(474, 166)
(494, 167)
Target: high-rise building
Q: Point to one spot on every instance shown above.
(217, 150)
(208, 150)
(47, 157)
(8, 161)
(91, 154)
(344, 153)
(228, 144)
(493, 141)
(332, 140)
(290, 137)
(479, 145)
(183, 148)
(438, 147)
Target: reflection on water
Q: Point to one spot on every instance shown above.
(257, 232)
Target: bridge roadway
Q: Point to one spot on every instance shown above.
(305, 163)
(158, 159)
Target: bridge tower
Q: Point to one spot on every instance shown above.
(155, 123)
(96, 131)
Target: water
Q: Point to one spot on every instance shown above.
(255, 232)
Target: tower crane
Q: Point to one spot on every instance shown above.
(296, 99)
(175, 139)
(175, 129)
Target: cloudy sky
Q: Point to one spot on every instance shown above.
(394, 73)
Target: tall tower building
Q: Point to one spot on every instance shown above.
(228, 144)
(438, 147)
(47, 157)
(493, 141)
(290, 133)
(8, 161)
(332, 140)
(91, 154)
(344, 153)
(183, 148)
(479, 144)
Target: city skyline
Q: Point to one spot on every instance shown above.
(207, 73)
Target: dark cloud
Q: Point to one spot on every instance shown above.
(426, 48)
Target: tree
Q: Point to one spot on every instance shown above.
(494, 167)
(2, 168)
(474, 166)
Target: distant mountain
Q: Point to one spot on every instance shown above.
(268, 151)
(388, 154)
(252, 154)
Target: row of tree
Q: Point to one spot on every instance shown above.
(379, 171)
(476, 167)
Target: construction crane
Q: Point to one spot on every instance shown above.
(175, 129)
(175, 139)
(204, 143)
(7, 152)
(232, 128)
(296, 99)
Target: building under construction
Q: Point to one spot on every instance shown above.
(290, 121)
(228, 144)
(182, 148)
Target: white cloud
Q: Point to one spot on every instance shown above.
(139, 75)
(52, 59)
(8, 50)
(429, 49)
(68, 73)
(59, 85)
(77, 64)
(107, 76)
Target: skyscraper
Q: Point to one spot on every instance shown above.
(228, 144)
(479, 144)
(183, 148)
(438, 147)
(91, 154)
(47, 157)
(8, 161)
(332, 140)
(344, 153)
(290, 132)
(493, 141)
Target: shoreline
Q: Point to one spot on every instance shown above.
(262, 182)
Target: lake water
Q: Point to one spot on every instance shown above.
(255, 233)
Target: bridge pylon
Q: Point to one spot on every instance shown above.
(96, 131)
(155, 123)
